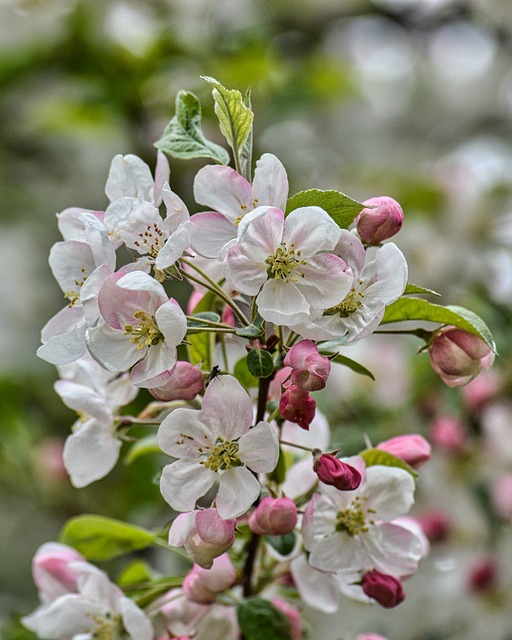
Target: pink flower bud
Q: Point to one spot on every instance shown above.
(52, 572)
(386, 590)
(483, 576)
(479, 392)
(436, 525)
(204, 534)
(273, 517)
(202, 585)
(293, 616)
(381, 222)
(458, 356)
(332, 471)
(310, 370)
(412, 449)
(449, 434)
(297, 406)
(185, 383)
(370, 636)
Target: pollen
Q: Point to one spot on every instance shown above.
(151, 240)
(224, 455)
(286, 263)
(108, 627)
(352, 303)
(146, 333)
(354, 519)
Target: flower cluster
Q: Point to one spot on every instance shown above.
(279, 286)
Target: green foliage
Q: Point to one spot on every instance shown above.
(99, 538)
(260, 620)
(143, 446)
(342, 209)
(260, 363)
(418, 309)
(283, 544)
(136, 572)
(414, 288)
(254, 330)
(374, 457)
(183, 137)
(243, 375)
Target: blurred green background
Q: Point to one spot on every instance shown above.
(406, 98)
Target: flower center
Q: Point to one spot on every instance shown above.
(146, 333)
(224, 455)
(73, 295)
(284, 263)
(352, 302)
(107, 628)
(151, 240)
(352, 520)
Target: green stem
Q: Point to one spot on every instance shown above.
(297, 446)
(210, 323)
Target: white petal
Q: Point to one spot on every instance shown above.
(259, 448)
(129, 176)
(338, 552)
(282, 303)
(238, 490)
(394, 550)
(174, 247)
(172, 323)
(71, 262)
(244, 274)
(90, 453)
(182, 434)
(155, 369)
(210, 232)
(224, 190)
(227, 408)
(317, 589)
(137, 624)
(270, 183)
(113, 349)
(66, 347)
(326, 281)
(184, 482)
(64, 618)
(311, 230)
(83, 400)
(260, 233)
(389, 490)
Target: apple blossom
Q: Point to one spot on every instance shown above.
(273, 517)
(184, 383)
(296, 405)
(309, 369)
(141, 331)
(386, 590)
(52, 570)
(216, 443)
(380, 220)
(130, 177)
(231, 197)
(333, 471)
(284, 262)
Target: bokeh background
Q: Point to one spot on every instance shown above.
(406, 98)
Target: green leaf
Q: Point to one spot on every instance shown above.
(374, 457)
(243, 375)
(100, 538)
(210, 316)
(414, 288)
(351, 364)
(260, 363)
(419, 309)
(199, 348)
(143, 447)
(183, 137)
(282, 544)
(342, 209)
(136, 572)
(254, 330)
(260, 620)
(234, 116)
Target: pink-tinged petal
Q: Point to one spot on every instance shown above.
(259, 448)
(155, 369)
(243, 273)
(260, 233)
(210, 232)
(95, 586)
(317, 589)
(172, 323)
(83, 400)
(183, 525)
(270, 184)
(129, 176)
(281, 302)
(224, 190)
(112, 349)
(227, 409)
(141, 282)
(162, 174)
(182, 434)
(326, 282)
(136, 623)
(238, 490)
(220, 623)
(311, 230)
(386, 275)
(394, 550)
(174, 247)
(337, 553)
(213, 529)
(66, 617)
(351, 250)
(118, 305)
(183, 482)
(389, 490)
(90, 453)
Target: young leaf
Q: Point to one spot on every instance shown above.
(254, 330)
(260, 363)
(234, 116)
(260, 620)
(373, 457)
(414, 288)
(419, 309)
(183, 137)
(342, 209)
(282, 544)
(199, 349)
(99, 538)
(243, 375)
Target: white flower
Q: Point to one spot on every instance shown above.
(283, 262)
(216, 443)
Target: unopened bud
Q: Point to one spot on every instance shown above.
(458, 356)
(297, 406)
(332, 471)
(52, 572)
(202, 585)
(386, 590)
(483, 576)
(310, 370)
(273, 517)
(411, 448)
(185, 383)
(382, 221)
